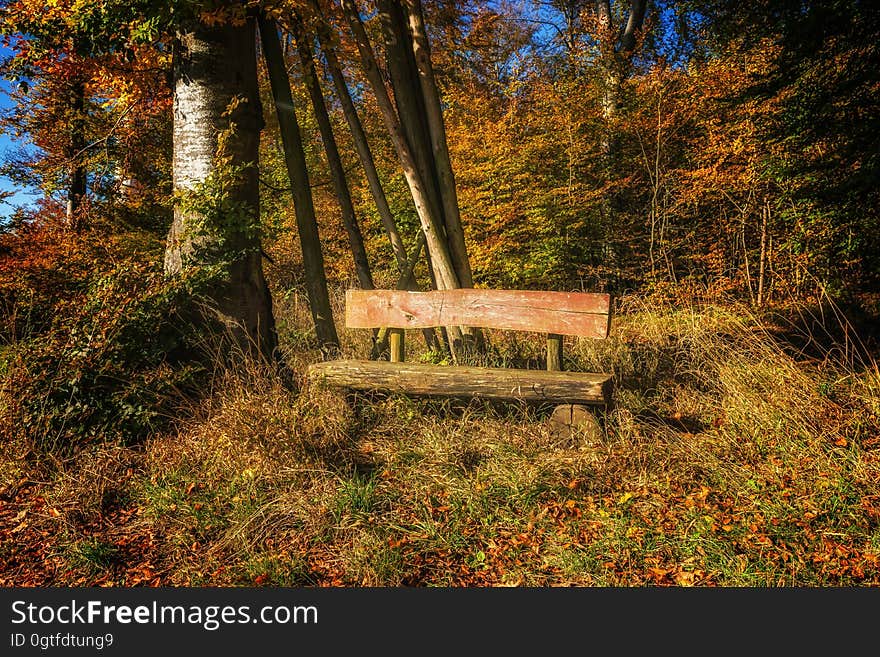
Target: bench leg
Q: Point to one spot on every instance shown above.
(570, 421)
(398, 345)
(554, 352)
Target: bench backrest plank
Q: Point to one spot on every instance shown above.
(564, 313)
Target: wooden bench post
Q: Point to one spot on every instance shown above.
(554, 352)
(398, 345)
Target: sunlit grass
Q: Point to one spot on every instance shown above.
(726, 460)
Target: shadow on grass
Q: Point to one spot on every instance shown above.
(820, 331)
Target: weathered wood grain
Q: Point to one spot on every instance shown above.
(450, 381)
(398, 345)
(554, 351)
(564, 313)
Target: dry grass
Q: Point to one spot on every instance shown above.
(727, 460)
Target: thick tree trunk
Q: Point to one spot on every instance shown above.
(217, 123)
(337, 170)
(76, 184)
(294, 157)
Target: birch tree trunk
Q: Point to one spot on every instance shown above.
(217, 111)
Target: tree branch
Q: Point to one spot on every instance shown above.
(633, 25)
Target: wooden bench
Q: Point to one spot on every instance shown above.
(553, 313)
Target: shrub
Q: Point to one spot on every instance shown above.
(111, 367)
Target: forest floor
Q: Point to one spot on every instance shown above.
(741, 451)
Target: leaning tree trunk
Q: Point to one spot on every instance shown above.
(298, 173)
(406, 264)
(420, 188)
(427, 207)
(431, 224)
(360, 139)
(217, 123)
(437, 131)
(410, 104)
(334, 160)
(407, 55)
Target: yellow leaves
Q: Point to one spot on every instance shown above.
(232, 15)
(274, 13)
(20, 519)
(697, 498)
(685, 578)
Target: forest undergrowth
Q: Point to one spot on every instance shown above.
(741, 450)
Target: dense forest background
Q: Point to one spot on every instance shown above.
(712, 164)
(726, 148)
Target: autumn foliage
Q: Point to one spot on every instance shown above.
(716, 170)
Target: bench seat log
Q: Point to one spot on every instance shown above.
(456, 381)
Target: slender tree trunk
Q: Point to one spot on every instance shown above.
(216, 92)
(745, 250)
(765, 211)
(124, 178)
(617, 44)
(437, 130)
(406, 264)
(431, 225)
(360, 141)
(337, 170)
(76, 185)
(410, 135)
(409, 101)
(294, 157)
(608, 147)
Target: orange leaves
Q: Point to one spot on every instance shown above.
(235, 15)
(697, 498)
(871, 506)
